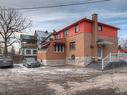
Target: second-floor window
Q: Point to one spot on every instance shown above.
(57, 36)
(77, 28)
(99, 28)
(72, 45)
(65, 33)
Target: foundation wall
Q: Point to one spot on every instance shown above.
(79, 61)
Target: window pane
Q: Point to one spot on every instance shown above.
(28, 51)
(34, 51)
(77, 28)
(72, 45)
(65, 33)
(100, 28)
(58, 48)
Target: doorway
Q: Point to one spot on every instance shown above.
(100, 53)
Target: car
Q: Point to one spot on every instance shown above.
(6, 62)
(31, 63)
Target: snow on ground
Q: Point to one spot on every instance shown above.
(64, 80)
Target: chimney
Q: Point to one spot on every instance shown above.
(94, 35)
(95, 17)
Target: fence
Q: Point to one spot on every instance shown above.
(113, 57)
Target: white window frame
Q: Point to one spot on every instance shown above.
(30, 51)
(33, 51)
(60, 50)
(77, 29)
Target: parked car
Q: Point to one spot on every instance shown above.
(6, 62)
(31, 63)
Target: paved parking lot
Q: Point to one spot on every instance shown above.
(62, 80)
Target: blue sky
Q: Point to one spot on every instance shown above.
(113, 12)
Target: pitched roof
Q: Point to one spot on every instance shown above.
(88, 20)
(41, 34)
(27, 37)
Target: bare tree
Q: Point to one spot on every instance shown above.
(11, 22)
(122, 43)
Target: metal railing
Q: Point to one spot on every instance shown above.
(113, 57)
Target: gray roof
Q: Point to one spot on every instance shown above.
(27, 37)
(41, 35)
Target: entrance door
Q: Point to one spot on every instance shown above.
(100, 53)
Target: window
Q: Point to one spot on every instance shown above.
(65, 33)
(59, 48)
(100, 28)
(77, 28)
(34, 51)
(57, 36)
(28, 51)
(72, 46)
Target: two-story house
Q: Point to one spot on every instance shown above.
(28, 46)
(80, 43)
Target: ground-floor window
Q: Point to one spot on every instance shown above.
(72, 45)
(59, 48)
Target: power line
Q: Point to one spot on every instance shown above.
(61, 5)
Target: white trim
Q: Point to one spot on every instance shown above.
(25, 54)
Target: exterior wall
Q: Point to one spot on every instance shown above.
(113, 48)
(41, 55)
(87, 26)
(84, 50)
(108, 32)
(49, 56)
(71, 31)
(79, 40)
(53, 62)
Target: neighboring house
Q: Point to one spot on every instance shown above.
(42, 37)
(80, 43)
(28, 46)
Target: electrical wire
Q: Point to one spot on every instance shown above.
(61, 5)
